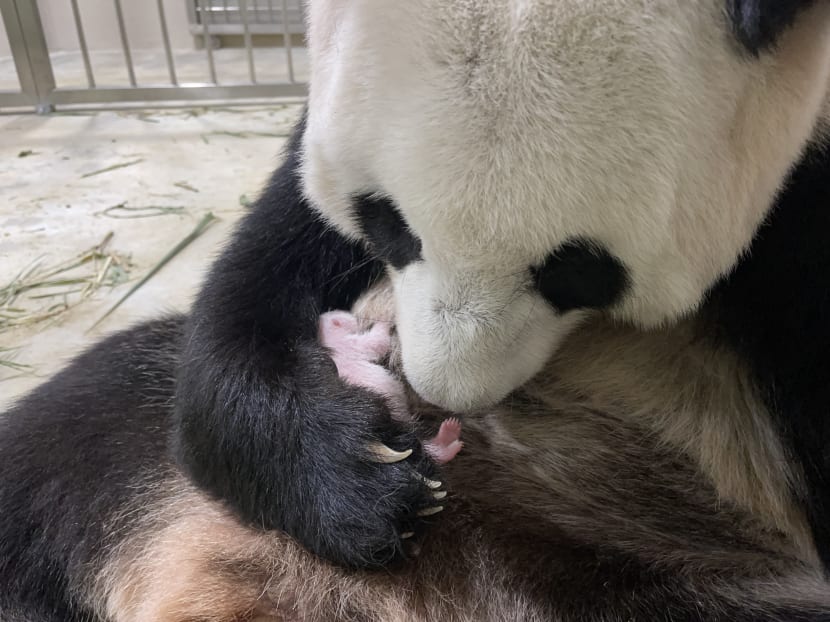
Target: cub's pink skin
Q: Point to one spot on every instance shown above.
(356, 355)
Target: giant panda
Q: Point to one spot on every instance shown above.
(517, 166)
(680, 470)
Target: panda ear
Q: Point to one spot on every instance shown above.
(758, 23)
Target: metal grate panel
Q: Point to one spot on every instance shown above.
(228, 17)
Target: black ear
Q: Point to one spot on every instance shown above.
(758, 23)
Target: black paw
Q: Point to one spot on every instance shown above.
(288, 445)
(360, 482)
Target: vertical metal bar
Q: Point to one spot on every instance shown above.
(246, 29)
(79, 28)
(17, 44)
(31, 55)
(286, 34)
(125, 44)
(192, 14)
(225, 13)
(272, 19)
(207, 40)
(165, 36)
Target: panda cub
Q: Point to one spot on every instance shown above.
(516, 166)
(639, 478)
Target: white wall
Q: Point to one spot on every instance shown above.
(101, 27)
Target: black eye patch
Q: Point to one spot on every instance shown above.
(758, 23)
(386, 231)
(581, 274)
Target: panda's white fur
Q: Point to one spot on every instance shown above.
(503, 128)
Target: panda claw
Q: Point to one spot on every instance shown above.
(386, 455)
(407, 534)
(431, 483)
(439, 495)
(430, 511)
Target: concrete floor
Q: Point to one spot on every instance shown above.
(186, 162)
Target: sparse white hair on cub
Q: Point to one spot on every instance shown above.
(503, 128)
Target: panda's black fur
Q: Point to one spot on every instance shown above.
(758, 23)
(773, 309)
(73, 454)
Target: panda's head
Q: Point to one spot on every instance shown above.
(519, 161)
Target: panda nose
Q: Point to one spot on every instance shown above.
(463, 352)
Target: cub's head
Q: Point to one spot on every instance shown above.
(520, 161)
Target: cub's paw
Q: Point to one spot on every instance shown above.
(445, 445)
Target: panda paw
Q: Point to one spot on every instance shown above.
(363, 482)
(354, 484)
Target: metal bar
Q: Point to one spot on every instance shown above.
(236, 29)
(14, 100)
(79, 28)
(192, 14)
(286, 35)
(17, 44)
(165, 36)
(125, 44)
(205, 92)
(249, 48)
(204, 19)
(272, 18)
(31, 55)
(225, 13)
(170, 105)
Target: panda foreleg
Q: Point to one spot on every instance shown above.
(263, 420)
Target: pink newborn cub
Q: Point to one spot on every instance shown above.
(357, 354)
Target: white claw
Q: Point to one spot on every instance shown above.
(386, 455)
(407, 534)
(431, 511)
(429, 482)
(439, 495)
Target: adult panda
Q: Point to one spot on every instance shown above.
(514, 164)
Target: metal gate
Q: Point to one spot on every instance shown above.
(261, 16)
(35, 64)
